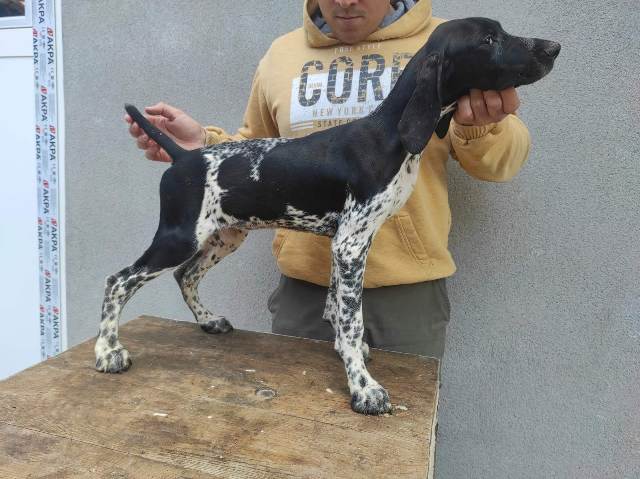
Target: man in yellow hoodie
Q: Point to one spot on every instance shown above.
(338, 67)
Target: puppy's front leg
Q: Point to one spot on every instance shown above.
(331, 310)
(367, 395)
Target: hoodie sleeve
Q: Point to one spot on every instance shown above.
(258, 121)
(493, 152)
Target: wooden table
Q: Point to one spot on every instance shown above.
(240, 405)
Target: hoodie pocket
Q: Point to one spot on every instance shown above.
(410, 237)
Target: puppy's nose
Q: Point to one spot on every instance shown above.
(552, 49)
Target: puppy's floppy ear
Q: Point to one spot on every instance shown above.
(421, 113)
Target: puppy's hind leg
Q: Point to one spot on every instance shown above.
(188, 276)
(166, 251)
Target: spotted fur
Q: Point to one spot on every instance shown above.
(342, 183)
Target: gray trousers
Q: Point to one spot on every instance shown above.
(410, 318)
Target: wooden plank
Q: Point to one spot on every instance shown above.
(206, 385)
(28, 453)
(217, 365)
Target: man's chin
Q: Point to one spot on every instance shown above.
(349, 36)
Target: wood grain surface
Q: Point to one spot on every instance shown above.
(240, 405)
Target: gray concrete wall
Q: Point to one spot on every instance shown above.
(541, 374)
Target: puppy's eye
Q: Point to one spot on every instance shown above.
(489, 39)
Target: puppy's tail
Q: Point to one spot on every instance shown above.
(170, 146)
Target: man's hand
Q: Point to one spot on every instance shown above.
(183, 129)
(482, 107)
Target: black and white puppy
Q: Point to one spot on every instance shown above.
(343, 183)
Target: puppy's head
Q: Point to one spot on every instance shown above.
(478, 53)
(465, 54)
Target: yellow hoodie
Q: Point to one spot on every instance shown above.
(307, 81)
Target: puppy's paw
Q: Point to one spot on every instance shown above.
(372, 400)
(217, 326)
(115, 360)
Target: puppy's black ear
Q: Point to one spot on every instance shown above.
(421, 114)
